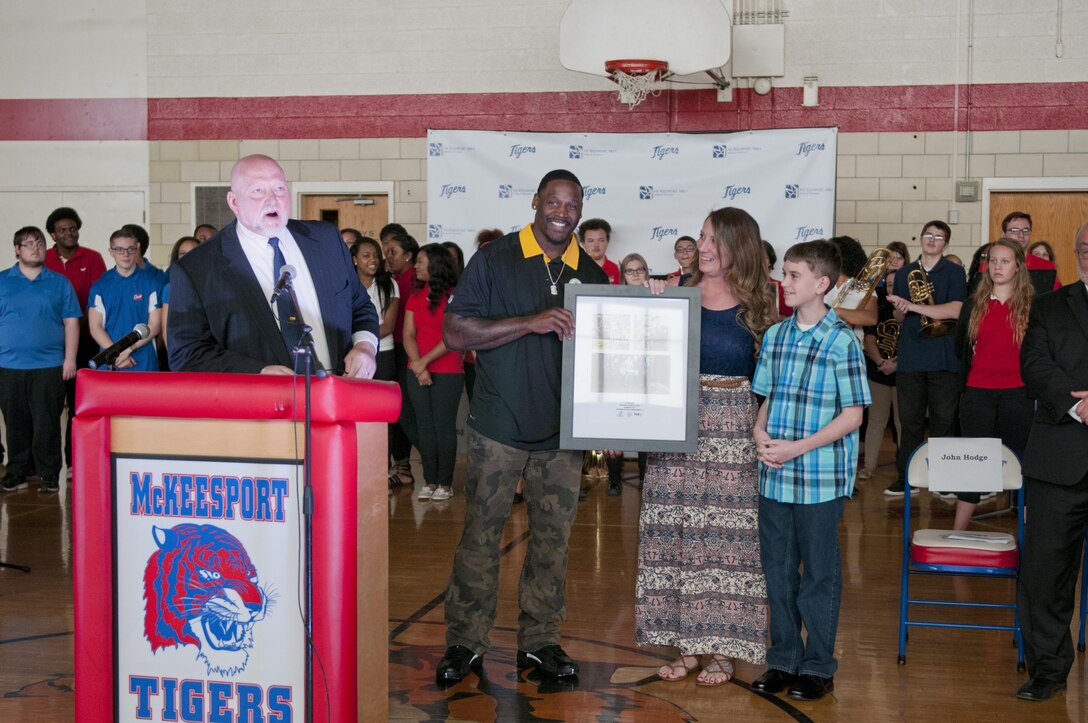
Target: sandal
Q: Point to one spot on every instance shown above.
(401, 474)
(719, 667)
(678, 669)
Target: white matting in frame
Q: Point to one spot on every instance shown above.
(629, 373)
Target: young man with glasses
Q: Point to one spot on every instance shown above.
(125, 296)
(39, 333)
(927, 372)
(1044, 274)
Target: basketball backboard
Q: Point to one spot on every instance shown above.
(690, 35)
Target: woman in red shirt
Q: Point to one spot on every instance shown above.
(435, 373)
(991, 328)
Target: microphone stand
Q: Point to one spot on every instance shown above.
(311, 367)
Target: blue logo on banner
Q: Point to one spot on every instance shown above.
(517, 150)
(803, 149)
(575, 152)
(659, 232)
(645, 193)
(434, 150)
(661, 151)
(791, 190)
(804, 233)
(590, 191)
(504, 190)
(434, 230)
(718, 152)
(450, 189)
(731, 191)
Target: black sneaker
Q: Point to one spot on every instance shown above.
(48, 486)
(549, 660)
(10, 484)
(898, 490)
(614, 488)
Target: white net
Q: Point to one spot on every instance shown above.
(635, 88)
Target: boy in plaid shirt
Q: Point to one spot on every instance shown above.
(812, 372)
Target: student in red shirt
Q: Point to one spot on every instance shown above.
(595, 235)
(435, 373)
(991, 327)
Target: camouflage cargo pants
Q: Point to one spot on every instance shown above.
(552, 479)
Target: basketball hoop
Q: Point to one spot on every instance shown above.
(636, 78)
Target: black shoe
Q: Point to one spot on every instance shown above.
(811, 687)
(10, 484)
(774, 681)
(456, 664)
(1038, 689)
(48, 486)
(614, 489)
(550, 660)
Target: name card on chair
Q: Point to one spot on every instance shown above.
(965, 464)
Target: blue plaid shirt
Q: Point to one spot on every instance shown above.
(809, 377)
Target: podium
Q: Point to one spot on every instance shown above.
(189, 555)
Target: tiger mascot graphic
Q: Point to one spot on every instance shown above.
(200, 588)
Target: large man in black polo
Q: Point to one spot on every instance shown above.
(508, 307)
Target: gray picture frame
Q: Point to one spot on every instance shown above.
(631, 372)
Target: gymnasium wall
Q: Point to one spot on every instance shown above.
(110, 96)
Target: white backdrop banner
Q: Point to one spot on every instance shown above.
(652, 187)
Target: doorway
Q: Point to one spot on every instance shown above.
(365, 212)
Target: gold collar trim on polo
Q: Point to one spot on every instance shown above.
(530, 247)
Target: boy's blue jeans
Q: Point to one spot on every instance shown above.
(791, 537)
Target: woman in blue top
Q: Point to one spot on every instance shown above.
(700, 585)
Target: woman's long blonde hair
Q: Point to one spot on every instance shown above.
(1019, 300)
(736, 235)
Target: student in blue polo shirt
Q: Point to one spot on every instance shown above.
(812, 372)
(122, 298)
(39, 336)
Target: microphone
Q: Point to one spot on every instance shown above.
(286, 274)
(109, 355)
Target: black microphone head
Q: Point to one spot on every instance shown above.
(289, 271)
(142, 330)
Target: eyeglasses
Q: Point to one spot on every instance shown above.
(127, 251)
(33, 244)
(685, 250)
(1081, 252)
(932, 237)
(634, 272)
(1018, 231)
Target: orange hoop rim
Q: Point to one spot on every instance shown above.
(637, 66)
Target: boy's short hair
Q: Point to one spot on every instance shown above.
(595, 224)
(822, 257)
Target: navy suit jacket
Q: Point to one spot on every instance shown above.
(220, 320)
(1053, 363)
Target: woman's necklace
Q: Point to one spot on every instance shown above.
(548, 269)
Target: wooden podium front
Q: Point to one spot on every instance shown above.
(185, 497)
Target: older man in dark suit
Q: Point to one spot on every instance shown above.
(1054, 362)
(221, 319)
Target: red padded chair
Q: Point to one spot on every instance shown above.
(967, 554)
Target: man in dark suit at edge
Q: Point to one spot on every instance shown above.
(1054, 365)
(221, 319)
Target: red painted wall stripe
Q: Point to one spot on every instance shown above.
(1022, 106)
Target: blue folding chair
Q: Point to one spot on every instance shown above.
(966, 554)
(1083, 593)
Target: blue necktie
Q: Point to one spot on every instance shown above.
(289, 326)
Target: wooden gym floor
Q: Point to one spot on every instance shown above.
(951, 675)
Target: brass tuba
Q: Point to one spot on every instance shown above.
(921, 292)
(856, 291)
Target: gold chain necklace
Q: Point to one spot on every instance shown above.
(548, 270)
